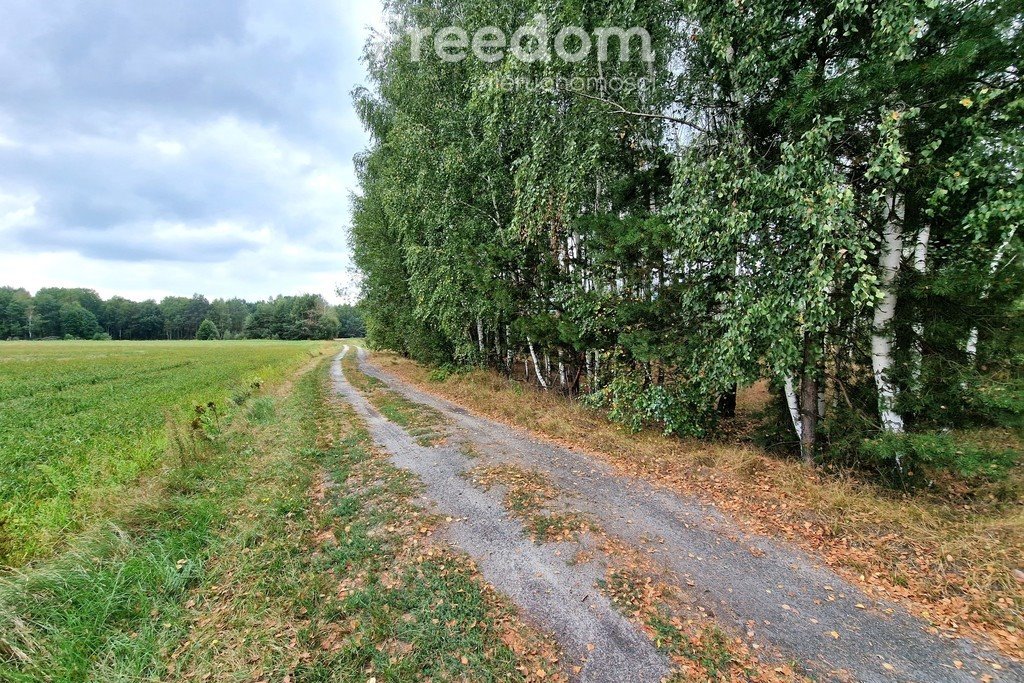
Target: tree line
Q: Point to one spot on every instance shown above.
(822, 195)
(76, 313)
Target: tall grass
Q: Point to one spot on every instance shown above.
(282, 547)
(79, 421)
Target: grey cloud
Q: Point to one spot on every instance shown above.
(126, 116)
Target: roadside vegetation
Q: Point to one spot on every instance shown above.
(278, 546)
(823, 199)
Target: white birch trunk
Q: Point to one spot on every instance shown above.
(509, 356)
(480, 334)
(821, 403)
(536, 367)
(561, 370)
(885, 311)
(794, 408)
(921, 266)
(972, 344)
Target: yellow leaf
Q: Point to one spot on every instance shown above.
(967, 102)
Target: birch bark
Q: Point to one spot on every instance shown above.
(536, 367)
(921, 266)
(794, 410)
(885, 312)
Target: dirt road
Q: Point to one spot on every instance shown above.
(758, 588)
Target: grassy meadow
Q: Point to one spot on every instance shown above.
(81, 420)
(271, 543)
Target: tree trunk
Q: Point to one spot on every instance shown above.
(808, 406)
(536, 367)
(921, 266)
(885, 311)
(497, 342)
(480, 335)
(791, 401)
(727, 403)
(561, 370)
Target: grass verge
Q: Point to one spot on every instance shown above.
(283, 548)
(958, 566)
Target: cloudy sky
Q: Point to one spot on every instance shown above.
(155, 148)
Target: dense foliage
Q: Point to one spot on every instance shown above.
(822, 195)
(81, 314)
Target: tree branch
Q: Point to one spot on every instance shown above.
(619, 109)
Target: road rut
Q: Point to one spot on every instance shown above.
(559, 598)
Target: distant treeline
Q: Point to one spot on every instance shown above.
(77, 313)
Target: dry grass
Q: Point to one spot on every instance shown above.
(959, 566)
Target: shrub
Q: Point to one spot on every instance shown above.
(207, 330)
(638, 404)
(443, 372)
(914, 458)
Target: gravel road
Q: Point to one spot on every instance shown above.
(795, 608)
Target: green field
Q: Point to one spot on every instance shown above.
(272, 543)
(79, 421)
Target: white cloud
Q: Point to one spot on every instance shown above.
(17, 210)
